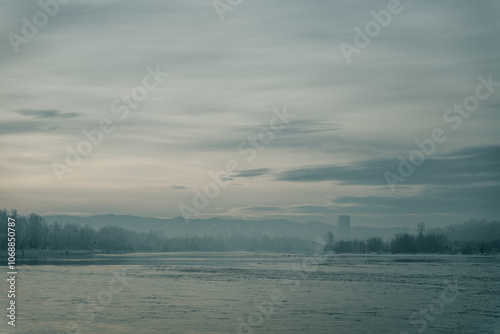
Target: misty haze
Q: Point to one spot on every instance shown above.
(237, 166)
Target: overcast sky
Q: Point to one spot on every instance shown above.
(351, 119)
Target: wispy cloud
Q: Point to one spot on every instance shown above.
(46, 113)
(253, 172)
(352, 120)
(465, 166)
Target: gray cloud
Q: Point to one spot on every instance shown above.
(465, 166)
(225, 78)
(253, 172)
(475, 202)
(46, 113)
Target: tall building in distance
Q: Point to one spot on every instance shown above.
(343, 228)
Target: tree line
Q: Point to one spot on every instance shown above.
(471, 237)
(34, 233)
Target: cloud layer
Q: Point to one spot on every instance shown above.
(352, 120)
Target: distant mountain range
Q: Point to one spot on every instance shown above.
(215, 226)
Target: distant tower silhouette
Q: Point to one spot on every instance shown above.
(344, 228)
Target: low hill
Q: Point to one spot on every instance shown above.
(216, 226)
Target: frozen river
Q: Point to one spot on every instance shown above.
(241, 292)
